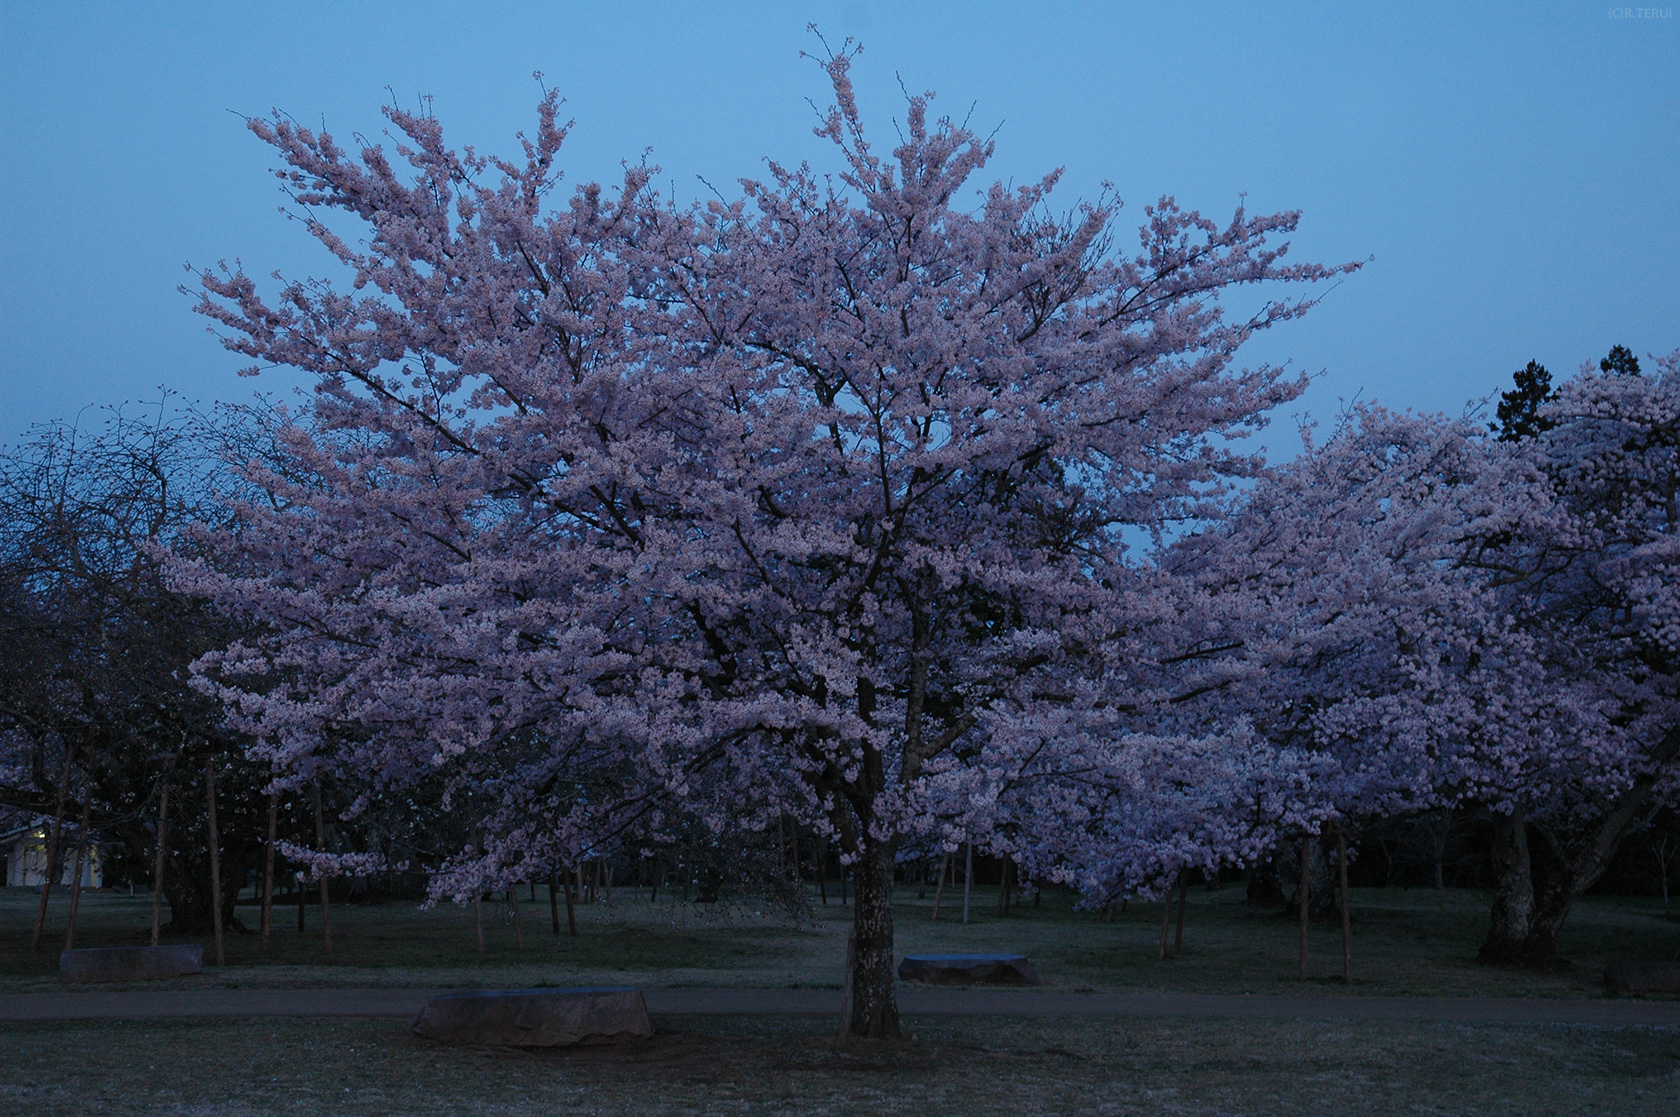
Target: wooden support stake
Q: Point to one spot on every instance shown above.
(1183, 896)
(554, 902)
(1166, 917)
(822, 870)
(1347, 915)
(1305, 897)
(157, 866)
(52, 848)
(518, 928)
(968, 879)
(297, 879)
(76, 877)
(478, 919)
(939, 893)
(268, 868)
(571, 912)
(321, 844)
(215, 857)
(781, 842)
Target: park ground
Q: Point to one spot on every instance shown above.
(1416, 943)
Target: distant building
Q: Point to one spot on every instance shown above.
(26, 857)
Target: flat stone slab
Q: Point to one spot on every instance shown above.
(130, 963)
(969, 969)
(535, 1017)
(1643, 977)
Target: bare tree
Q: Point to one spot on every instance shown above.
(95, 647)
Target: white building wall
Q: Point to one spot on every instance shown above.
(26, 863)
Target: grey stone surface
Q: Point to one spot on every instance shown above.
(1643, 977)
(130, 963)
(969, 969)
(535, 1017)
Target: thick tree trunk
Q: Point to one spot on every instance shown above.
(1521, 933)
(1533, 895)
(187, 881)
(1320, 876)
(869, 1008)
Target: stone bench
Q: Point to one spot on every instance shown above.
(1643, 977)
(535, 1017)
(130, 963)
(969, 969)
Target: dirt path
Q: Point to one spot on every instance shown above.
(405, 1003)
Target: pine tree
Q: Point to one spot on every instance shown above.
(1621, 361)
(1519, 409)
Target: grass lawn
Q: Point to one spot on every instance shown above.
(1418, 942)
(737, 1065)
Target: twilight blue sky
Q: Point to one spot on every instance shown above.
(1513, 169)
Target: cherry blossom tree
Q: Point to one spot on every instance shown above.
(821, 500)
(1372, 633)
(1593, 582)
(1440, 618)
(1330, 653)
